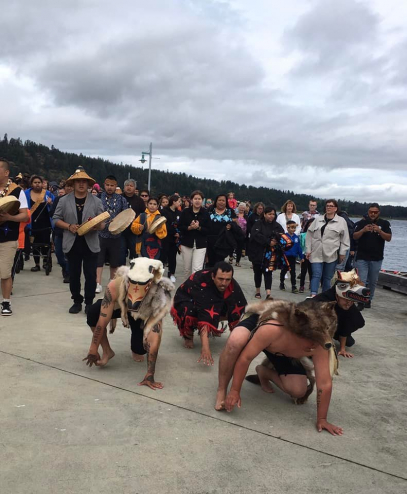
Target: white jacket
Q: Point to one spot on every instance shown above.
(282, 219)
(334, 242)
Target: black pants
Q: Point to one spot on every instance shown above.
(80, 253)
(258, 272)
(306, 267)
(240, 246)
(213, 256)
(284, 270)
(136, 326)
(42, 236)
(172, 257)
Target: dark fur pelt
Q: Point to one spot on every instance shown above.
(315, 321)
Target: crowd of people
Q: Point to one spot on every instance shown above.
(74, 219)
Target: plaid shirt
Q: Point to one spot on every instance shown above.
(114, 204)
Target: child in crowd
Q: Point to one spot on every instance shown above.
(292, 255)
(149, 244)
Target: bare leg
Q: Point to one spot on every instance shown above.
(112, 272)
(206, 356)
(137, 357)
(265, 377)
(99, 272)
(294, 385)
(6, 287)
(152, 346)
(108, 353)
(234, 346)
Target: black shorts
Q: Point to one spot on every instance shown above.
(283, 365)
(110, 247)
(137, 327)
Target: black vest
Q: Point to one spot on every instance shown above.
(10, 229)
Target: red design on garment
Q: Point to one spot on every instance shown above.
(212, 330)
(212, 312)
(237, 310)
(229, 290)
(152, 253)
(204, 285)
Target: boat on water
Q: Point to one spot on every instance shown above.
(393, 280)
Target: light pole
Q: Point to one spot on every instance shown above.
(150, 157)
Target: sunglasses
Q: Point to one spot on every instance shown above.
(143, 195)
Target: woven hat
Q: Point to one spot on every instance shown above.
(80, 174)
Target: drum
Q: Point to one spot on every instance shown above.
(122, 221)
(157, 222)
(10, 205)
(88, 225)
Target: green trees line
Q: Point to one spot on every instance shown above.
(53, 164)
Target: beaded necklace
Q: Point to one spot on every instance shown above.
(4, 192)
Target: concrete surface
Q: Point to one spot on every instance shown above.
(67, 428)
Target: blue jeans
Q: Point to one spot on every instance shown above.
(341, 266)
(62, 261)
(324, 271)
(369, 273)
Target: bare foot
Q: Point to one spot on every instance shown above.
(105, 359)
(137, 357)
(220, 401)
(264, 381)
(188, 343)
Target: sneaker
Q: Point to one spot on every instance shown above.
(75, 309)
(173, 278)
(99, 288)
(282, 286)
(294, 290)
(6, 309)
(35, 268)
(302, 289)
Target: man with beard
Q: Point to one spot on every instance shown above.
(9, 230)
(72, 210)
(110, 245)
(202, 301)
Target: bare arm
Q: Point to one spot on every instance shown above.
(106, 311)
(324, 391)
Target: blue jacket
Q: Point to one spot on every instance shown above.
(296, 248)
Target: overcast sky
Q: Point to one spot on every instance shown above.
(302, 95)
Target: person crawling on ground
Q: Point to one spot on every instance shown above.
(141, 297)
(202, 301)
(347, 290)
(287, 332)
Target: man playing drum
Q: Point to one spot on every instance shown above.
(71, 211)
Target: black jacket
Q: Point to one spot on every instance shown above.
(199, 236)
(348, 320)
(253, 218)
(228, 240)
(173, 218)
(260, 238)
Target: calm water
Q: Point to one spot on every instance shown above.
(395, 252)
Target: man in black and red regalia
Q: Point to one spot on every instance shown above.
(202, 301)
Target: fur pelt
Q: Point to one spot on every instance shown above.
(155, 305)
(316, 321)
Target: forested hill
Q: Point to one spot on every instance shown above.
(30, 157)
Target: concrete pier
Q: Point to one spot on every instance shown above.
(66, 428)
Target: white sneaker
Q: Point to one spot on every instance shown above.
(173, 278)
(99, 288)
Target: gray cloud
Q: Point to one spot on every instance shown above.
(107, 81)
